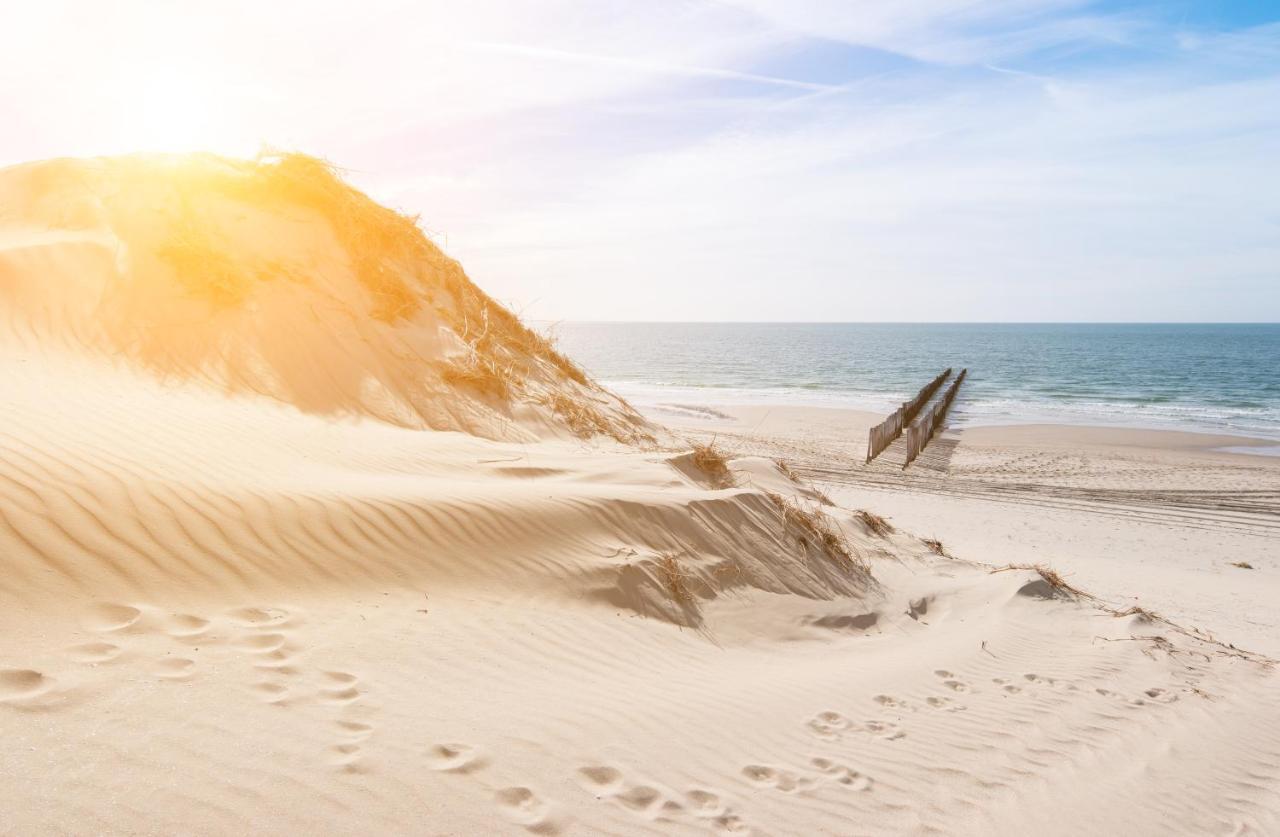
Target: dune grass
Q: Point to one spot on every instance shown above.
(480, 374)
(389, 255)
(812, 527)
(1050, 576)
(876, 524)
(674, 578)
(936, 547)
(713, 462)
(203, 268)
(787, 471)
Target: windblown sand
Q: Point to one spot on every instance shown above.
(252, 586)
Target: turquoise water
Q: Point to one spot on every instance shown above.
(1217, 378)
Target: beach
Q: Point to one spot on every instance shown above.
(1141, 517)
(302, 532)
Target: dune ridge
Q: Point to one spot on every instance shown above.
(271, 566)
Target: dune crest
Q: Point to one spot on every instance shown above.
(275, 277)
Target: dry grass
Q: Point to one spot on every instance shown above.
(581, 417)
(877, 525)
(402, 271)
(787, 472)
(812, 527)
(713, 463)
(204, 268)
(674, 578)
(1050, 576)
(1149, 615)
(390, 256)
(1244, 565)
(936, 547)
(585, 419)
(481, 375)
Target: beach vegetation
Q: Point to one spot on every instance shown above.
(712, 462)
(812, 528)
(874, 523)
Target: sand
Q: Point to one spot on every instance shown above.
(251, 587)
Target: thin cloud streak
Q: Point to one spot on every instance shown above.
(651, 67)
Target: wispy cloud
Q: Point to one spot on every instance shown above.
(1021, 159)
(645, 66)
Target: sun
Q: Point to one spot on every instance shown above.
(174, 109)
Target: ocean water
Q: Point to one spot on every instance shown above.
(1214, 378)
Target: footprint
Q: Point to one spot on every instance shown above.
(956, 685)
(944, 674)
(772, 777)
(845, 775)
(258, 617)
(892, 702)
(261, 643)
(884, 729)
(271, 692)
(731, 824)
(174, 668)
(183, 625)
(94, 652)
(341, 696)
(521, 805)
(705, 803)
(945, 703)
(104, 617)
(455, 758)
(343, 755)
(828, 724)
(339, 678)
(19, 684)
(600, 780)
(641, 799)
(280, 660)
(354, 730)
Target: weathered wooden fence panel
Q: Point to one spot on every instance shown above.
(883, 434)
(922, 430)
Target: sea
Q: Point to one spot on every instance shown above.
(1206, 378)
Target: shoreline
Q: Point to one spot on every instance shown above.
(856, 422)
(970, 413)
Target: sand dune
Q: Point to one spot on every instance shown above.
(293, 544)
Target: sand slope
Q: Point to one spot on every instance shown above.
(250, 592)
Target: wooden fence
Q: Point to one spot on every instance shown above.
(919, 433)
(883, 434)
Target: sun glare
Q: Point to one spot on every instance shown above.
(173, 109)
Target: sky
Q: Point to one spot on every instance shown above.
(749, 160)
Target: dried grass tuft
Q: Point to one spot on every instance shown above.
(812, 527)
(1134, 610)
(674, 578)
(393, 259)
(936, 547)
(787, 471)
(585, 419)
(1050, 576)
(479, 374)
(713, 463)
(876, 524)
(203, 268)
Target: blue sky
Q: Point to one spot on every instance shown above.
(733, 159)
